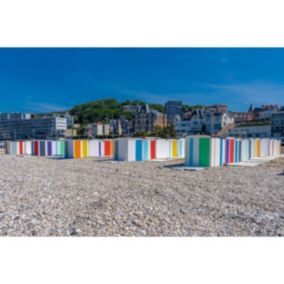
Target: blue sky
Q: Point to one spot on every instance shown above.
(40, 80)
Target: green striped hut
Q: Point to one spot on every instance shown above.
(197, 151)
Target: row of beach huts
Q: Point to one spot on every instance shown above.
(202, 151)
(198, 150)
(123, 149)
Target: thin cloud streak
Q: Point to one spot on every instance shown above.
(237, 96)
(254, 93)
(44, 107)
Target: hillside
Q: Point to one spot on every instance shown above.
(103, 110)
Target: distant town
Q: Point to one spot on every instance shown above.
(109, 118)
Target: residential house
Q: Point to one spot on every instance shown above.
(204, 121)
(264, 112)
(146, 119)
(215, 121)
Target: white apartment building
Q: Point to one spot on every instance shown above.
(208, 122)
(251, 131)
(38, 128)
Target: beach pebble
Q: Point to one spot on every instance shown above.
(47, 197)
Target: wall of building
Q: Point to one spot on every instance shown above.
(71, 132)
(277, 125)
(147, 121)
(251, 131)
(241, 116)
(14, 116)
(40, 128)
(173, 109)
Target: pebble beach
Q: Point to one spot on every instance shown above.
(49, 197)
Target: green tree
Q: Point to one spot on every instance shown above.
(157, 107)
(140, 134)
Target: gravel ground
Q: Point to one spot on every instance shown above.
(45, 197)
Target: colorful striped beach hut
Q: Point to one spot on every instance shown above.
(238, 151)
(49, 152)
(277, 148)
(252, 150)
(7, 147)
(176, 148)
(230, 150)
(94, 146)
(73, 149)
(84, 149)
(181, 148)
(108, 147)
(60, 149)
(146, 149)
(215, 152)
(257, 148)
(28, 148)
(135, 149)
(162, 149)
(11, 148)
(173, 148)
(35, 147)
(274, 147)
(101, 148)
(198, 151)
(244, 150)
(128, 149)
(21, 145)
(42, 148)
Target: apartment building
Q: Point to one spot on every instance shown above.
(14, 116)
(39, 128)
(251, 129)
(69, 120)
